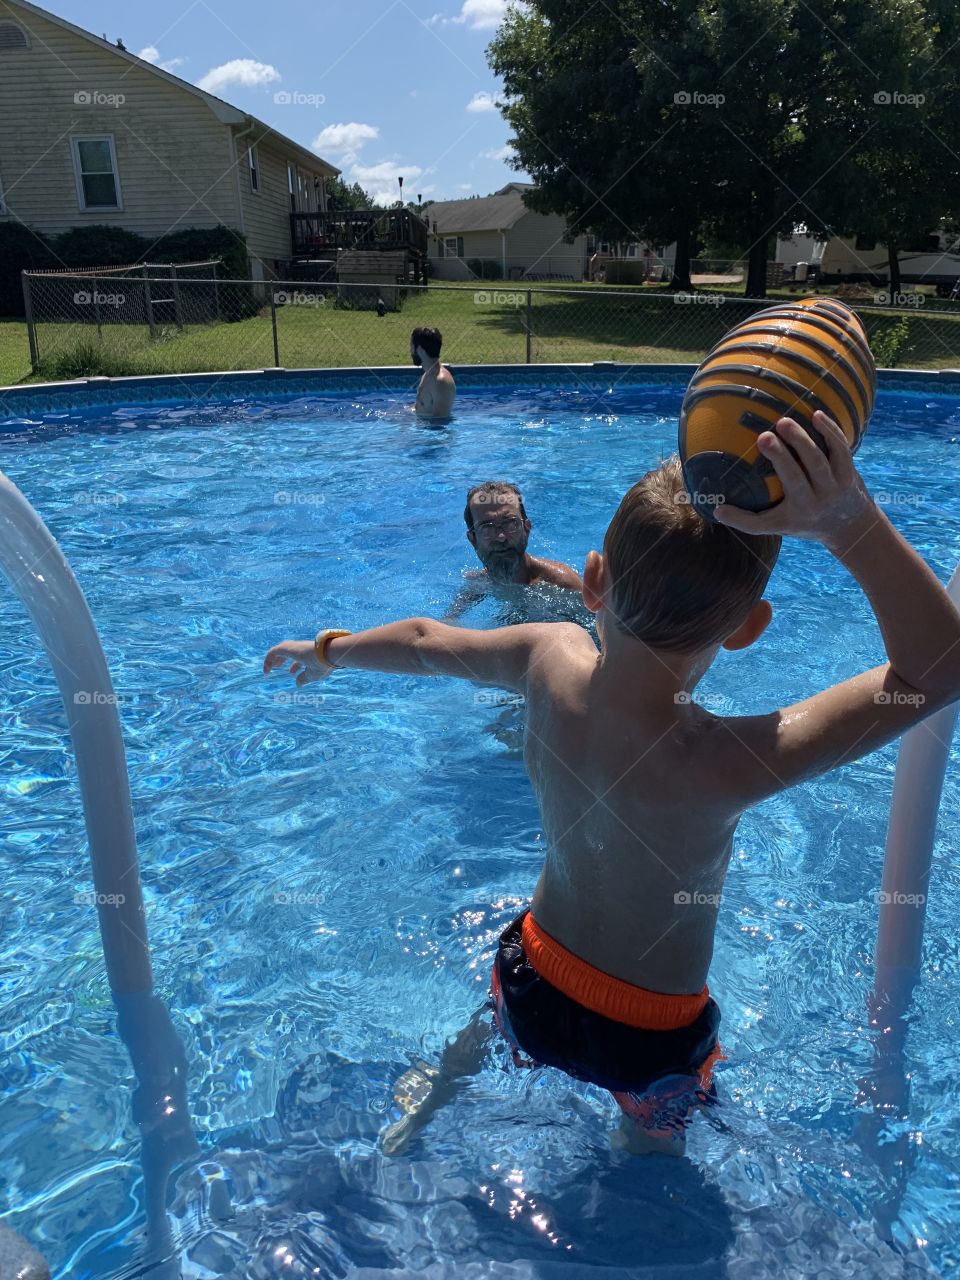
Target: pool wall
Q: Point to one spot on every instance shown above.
(36, 399)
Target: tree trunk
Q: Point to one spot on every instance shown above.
(757, 269)
(681, 261)
(893, 262)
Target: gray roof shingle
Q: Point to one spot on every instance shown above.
(489, 213)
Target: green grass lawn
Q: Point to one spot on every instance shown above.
(483, 323)
(14, 352)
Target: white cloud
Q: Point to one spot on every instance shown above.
(464, 186)
(482, 101)
(501, 153)
(151, 54)
(241, 71)
(344, 137)
(478, 15)
(380, 180)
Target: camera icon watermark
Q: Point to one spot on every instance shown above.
(683, 499)
(93, 98)
(884, 498)
(297, 498)
(93, 498)
(296, 98)
(93, 899)
(499, 298)
(898, 698)
(683, 299)
(97, 299)
(885, 299)
(898, 899)
(294, 898)
(686, 98)
(496, 698)
(295, 698)
(888, 98)
(299, 299)
(694, 898)
(96, 698)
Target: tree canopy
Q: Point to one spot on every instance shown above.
(642, 119)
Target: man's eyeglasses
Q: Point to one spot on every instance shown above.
(510, 525)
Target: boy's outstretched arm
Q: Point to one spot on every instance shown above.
(425, 647)
(826, 500)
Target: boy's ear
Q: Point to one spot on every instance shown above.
(593, 582)
(751, 628)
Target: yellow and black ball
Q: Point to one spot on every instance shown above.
(784, 362)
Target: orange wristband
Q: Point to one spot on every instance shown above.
(323, 638)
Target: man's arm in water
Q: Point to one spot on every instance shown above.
(464, 600)
(424, 647)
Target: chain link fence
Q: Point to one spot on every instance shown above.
(85, 325)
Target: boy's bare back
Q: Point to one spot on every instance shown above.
(640, 790)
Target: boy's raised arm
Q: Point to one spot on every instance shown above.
(422, 646)
(827, 501)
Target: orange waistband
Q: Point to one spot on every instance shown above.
(601, 992)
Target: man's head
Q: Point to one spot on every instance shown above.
(425, 342)
(672, 579)
(497, 527)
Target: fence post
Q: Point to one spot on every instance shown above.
(31, 327)
(273, 321)
(148, 303)
(177, 303)
(96, 310)
(529, 324)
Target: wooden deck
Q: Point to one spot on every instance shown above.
(321, 235)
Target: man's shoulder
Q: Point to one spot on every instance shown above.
(555, 571)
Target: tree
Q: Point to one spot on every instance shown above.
(341, 196)
(902, 183)
(668, 119)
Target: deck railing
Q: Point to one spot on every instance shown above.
(315, 234)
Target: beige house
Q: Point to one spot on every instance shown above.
(90, 133)
(500, 232)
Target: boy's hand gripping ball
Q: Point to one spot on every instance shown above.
(784, 362)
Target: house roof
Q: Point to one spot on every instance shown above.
(224, 111)
(488, 213)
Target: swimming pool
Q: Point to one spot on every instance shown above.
(326, 873)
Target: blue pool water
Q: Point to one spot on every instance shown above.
(326, 878)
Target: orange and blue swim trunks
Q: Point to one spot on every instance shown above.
(562, 1012)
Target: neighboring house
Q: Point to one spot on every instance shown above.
(800, 247)
(90, 133)
(500, 232)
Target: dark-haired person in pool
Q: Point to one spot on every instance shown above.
(640, 789)
(498, 529)
(437, 390)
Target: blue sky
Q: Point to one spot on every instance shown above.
(377, 87)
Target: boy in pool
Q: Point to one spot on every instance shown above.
(640, 790)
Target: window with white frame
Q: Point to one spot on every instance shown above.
(95, 169)
(253, 161)
(292, 185)
(450, 245)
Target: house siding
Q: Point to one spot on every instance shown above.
(534, 245)
(266, 213)
(172, 153)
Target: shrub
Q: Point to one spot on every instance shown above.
(86, 359)
(20, 249)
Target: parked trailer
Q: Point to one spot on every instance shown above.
(859, 258)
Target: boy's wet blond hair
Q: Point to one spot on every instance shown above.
(680, 582)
